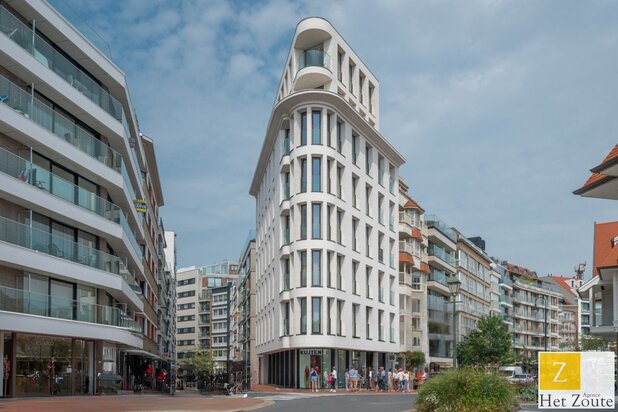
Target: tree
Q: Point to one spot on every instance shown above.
(202, 363)
(489, 344)
(592, 343)
(415, 359)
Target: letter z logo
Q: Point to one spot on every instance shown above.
(562, 365)
(559, 371)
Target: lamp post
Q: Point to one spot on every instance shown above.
(544, 315)
(453, 286)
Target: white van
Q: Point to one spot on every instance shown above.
(510, 371)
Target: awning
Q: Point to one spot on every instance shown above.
(140, 352)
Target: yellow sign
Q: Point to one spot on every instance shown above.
(140, 205)
(559, 371)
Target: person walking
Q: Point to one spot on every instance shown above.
(346, 377)
(383, 379)
(390, 380)
(333, 380)
(314, 380)
(353, 377)
(406, 380)
(371, 384)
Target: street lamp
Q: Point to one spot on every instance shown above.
(545, 315)
(453, 286)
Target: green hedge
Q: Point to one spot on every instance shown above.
(466, 390)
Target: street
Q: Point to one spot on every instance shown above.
(370, 402)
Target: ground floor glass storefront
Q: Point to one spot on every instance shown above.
(43, 365)
(292, 368)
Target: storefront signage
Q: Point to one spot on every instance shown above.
(310, 351)
(576, 380)
(140, 205)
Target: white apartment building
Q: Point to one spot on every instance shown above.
(326, 189)
(80, 265)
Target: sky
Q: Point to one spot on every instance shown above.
(499, 107)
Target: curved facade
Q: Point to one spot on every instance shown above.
(326, 202)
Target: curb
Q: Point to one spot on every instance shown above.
(264, 404)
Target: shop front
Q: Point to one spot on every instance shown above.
(292, 368)
(43, 365)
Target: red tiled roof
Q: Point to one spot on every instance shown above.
(562, 282)
(605, 247)
(412, 203)
(406, 258)
(416, 234)
(520, 270)
(425, 268)
(611, 155)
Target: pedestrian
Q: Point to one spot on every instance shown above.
(370, 379)
(406, 380)
(395, 379)
(346, 377)
(314, 380)
(383, 379)
(353, 378)
(333, 380)
(390, 380)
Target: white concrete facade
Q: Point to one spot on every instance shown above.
(80, 267)
(326, 188)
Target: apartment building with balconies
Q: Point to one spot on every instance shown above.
(326, 191)
(474, 272)
(78, 260)
(202, 310)
(535, 312)
(413, 275)
(245, 365)
(441, 252)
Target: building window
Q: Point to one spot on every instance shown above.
(303, 222)
(185, 282)
(354, 191)
(316, 174)
(286, 142)
(329, 167)
(368, 282)
(303, 316)
(354, 237)
(316, 318)
(339, 226)
(368, 200)
(368, 158)
(368, 322)
(316, 266)
(286, 318)
(316, 220)
(303, 175)
(380, 326)
(367, 241)
(329, 275)
(186, 294)
(303, 269)
(354, 277)
(340, 65)
(339, 272)
(286, 274)
(355, 143)
(339, 137)
(316, 127)
(339, 180)
(303, 128)
(354, 320)
(329, 307)
(329, 221)
(381, 171)
(329, 142)
(286, 185)
(339, 318)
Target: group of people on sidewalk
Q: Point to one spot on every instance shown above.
(398, 380)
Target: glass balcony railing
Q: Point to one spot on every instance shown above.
(45, 53)
(62, 126)
(54, 245)
(23, 301)
(438, 276)
(83, 27)
(435, 222)
(28, 172)
(441, 254)
(313, 57)
(506, 299)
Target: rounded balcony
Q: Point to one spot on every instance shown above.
(313, 69)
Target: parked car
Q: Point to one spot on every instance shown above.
(510, 372)
(524, 378)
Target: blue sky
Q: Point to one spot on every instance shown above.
(499, 107)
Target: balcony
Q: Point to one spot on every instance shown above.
(313, 57)
(44, 242)
(49, 57)
(435, 222)
(408, 247)
(23, 301)
(28, 172)
(441, 254)
(506, 283)
(506, 301)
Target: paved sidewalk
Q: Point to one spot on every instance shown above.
(132, 403)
